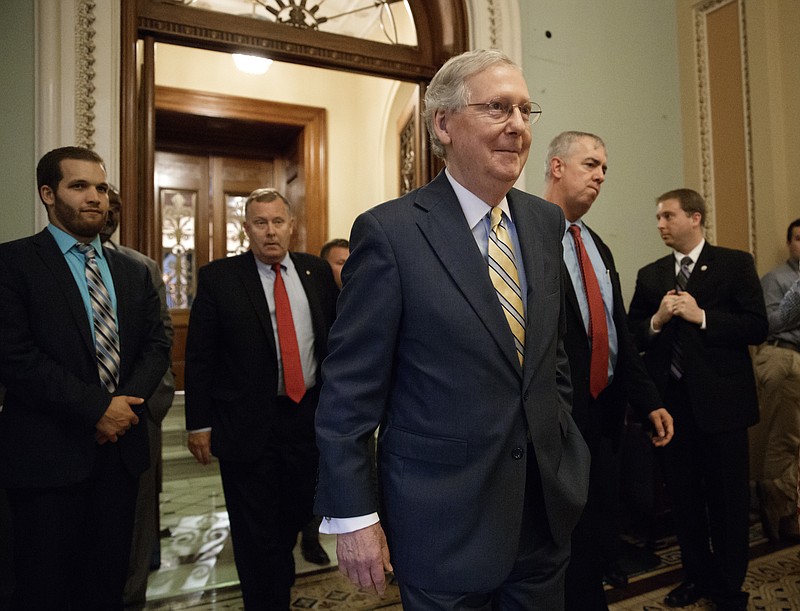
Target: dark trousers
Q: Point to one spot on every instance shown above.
(146, 524)
(595, 539)
(269, 500)
(707, 477)
(72, 544)
(536, 582)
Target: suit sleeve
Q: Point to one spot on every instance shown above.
(202, 350)
(644, 304)
(744, 319)
(357, 373)
(152, 358)
(161, 400)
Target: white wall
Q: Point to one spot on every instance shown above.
(610, 68)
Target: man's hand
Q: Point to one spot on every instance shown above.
(364, 558)
(685, 306)
(117, 419)
(662, 427)
(665, 311)
(199, 445)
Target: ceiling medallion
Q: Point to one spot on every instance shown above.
(304, 13)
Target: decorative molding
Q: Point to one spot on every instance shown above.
(704, 108)
(294, 50)
(85, 74)
(495, 22)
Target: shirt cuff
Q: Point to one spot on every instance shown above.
(653, 330)
(203, 430)
(340, 526)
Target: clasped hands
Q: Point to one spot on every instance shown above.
(677, 303)
(118, 418)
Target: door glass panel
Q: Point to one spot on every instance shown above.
(237, 241)
(178, 212)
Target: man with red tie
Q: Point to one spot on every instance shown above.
(257, 337)
(607, 372)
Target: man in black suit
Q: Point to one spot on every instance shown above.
(694, 313)
(252, 385)
(449, 336)
(73, 432)
(575, 169)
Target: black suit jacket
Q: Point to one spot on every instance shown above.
(421, 346)
(47, 362)
(631, 383)
(231, 357)
(717, 368)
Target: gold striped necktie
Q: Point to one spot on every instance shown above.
(504, 277)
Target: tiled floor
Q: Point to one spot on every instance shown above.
(197, 570)
(197, 555)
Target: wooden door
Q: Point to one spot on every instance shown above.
(201, 203)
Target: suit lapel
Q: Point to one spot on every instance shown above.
(54, 260)
(123, 301)
(442, 222)
(254, 290)
(704, 262)
(666, 273)
(529, 224)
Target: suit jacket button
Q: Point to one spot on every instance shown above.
(525, 396)
(517, 453)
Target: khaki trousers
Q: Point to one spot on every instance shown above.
(775, 440)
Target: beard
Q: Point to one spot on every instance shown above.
(79, 225)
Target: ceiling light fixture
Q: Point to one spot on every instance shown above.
(251, 64)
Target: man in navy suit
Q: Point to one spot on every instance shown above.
(482, 471)
(694, 313)
(240, 403)
(73, 432)
(576, 165)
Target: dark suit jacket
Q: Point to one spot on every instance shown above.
(47, 361)
(631, 384)
(717, 368)
(421, 347)
(161, 400)
(231, 357)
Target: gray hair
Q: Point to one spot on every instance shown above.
(448, 88)
(267, 194)
(561, 146)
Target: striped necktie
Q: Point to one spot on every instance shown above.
(106, 339)
(504, 277)
(681, 280)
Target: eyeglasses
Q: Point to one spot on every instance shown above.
(500, 111)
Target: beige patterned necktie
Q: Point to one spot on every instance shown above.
(504, 277)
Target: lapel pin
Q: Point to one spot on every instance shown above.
(308, 272)
(703, 268)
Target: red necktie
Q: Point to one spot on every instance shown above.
(598, 329)
(290, 354)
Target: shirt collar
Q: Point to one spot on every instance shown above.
(65, 241)
(473, 207)
(692, 254)
(286, 263)
(578, 223)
